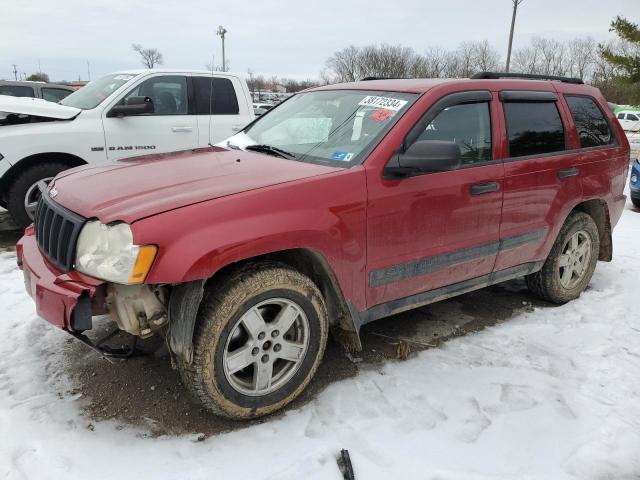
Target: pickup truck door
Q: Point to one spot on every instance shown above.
(221, 106)
(171, 127)
(437, 229)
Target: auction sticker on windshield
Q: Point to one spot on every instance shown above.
(382, 102)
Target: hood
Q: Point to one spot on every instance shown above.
(131, 189)
(36, 107)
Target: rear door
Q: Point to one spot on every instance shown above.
(541, 175)
(171, 127)
(221, 109)
(437, 229)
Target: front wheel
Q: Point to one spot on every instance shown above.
(636, 202)
(259, 339)
(571, 262)
(24, 192)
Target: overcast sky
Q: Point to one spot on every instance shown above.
(285, 38)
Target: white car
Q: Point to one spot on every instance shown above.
(120, 115)
(630, 121)
(261, 108)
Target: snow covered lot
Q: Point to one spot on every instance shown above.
(551, 394)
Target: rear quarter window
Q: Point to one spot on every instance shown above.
(591, 124)
(533, 128)
(223, 97)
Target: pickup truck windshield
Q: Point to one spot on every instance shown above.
(93, 93)
(338, 127)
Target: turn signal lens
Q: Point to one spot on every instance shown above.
(146, 256)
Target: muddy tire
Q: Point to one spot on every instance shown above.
(23, 191)
(571, 262)
(260, 336)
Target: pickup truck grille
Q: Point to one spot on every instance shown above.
(57, 231)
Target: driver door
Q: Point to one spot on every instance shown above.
(170, 128)
(437, 229)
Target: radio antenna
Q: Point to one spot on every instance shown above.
(213, 59)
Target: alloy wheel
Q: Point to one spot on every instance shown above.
(266, 347)
(575, 259)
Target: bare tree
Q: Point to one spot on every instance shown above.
(582, 56)
(345, 64)
(150, 57)
(435, 62)
(526, 60)
(487, 58)
(552, 56)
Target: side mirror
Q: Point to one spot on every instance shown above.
(426, 156)
(133, 106)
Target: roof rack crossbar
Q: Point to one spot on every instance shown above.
(529, 76)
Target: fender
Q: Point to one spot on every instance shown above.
(196, 241)
(183, 310)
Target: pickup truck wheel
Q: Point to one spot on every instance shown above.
(24, 192)
(636, 202)
(260, 336)
(571, 262)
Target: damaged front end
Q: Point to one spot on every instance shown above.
(141, 310)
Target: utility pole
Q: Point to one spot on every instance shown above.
(513, 24)
(221, 32)
(15, 72)
(88, 71)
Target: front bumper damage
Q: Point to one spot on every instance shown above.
(66, 300)
(71, 300)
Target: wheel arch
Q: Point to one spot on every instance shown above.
(31, 160)
(307, 261)
(599, 211)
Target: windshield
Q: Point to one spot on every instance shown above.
(337, 127)
(93, 93)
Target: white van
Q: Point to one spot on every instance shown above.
(120, 115)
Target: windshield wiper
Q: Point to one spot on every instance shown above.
(271, 150)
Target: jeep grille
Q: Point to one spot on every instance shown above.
(57, 231)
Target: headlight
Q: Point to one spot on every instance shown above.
(107, 252)
(634, 179)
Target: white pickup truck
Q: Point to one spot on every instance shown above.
(120, 115)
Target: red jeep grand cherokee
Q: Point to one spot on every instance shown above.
(345, 204)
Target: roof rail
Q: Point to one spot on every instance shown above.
(528, 76)
(367, 79)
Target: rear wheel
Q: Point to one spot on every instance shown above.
(571, 262)
(636, 202)
(259, 339)
(24, 192)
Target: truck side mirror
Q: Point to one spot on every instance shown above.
(132, 106)
(425, 156)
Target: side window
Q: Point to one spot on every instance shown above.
(533, 128)
(16, 91)
(593, 128)
(469, 125)
(54, 94)
(621, 116)
(223, 101)
(169, 94)
(631, 116)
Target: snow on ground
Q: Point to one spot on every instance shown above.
(551, 394)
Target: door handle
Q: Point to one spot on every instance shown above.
(182, 129)
(481, 188)
(568, 172)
